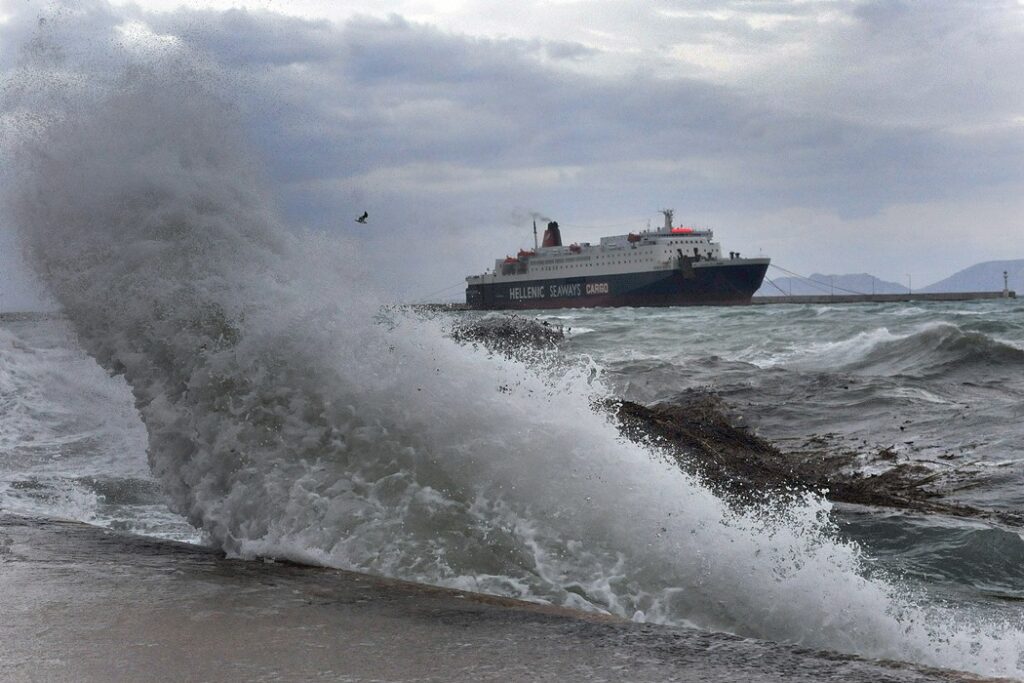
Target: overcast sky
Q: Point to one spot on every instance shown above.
(834, 136)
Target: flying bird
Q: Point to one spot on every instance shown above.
(362, 219)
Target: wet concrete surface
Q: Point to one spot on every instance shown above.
(78, 603)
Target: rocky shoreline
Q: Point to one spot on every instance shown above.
(704, 437)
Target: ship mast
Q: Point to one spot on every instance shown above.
(668, 219)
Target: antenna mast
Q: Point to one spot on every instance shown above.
(668, 219)
(534, 234)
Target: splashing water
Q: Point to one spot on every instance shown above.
(286, 418)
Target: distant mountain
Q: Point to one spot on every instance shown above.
(982, 277)
(819, 284)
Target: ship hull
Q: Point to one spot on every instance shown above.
(724, 284)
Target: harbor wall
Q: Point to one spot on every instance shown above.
(880, 298)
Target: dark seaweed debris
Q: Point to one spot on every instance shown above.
(507, 333)
(696, 430)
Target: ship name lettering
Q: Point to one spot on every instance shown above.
(526, 293)
(597, 288)
(565, 290)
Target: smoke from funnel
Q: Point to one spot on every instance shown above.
(552, 236)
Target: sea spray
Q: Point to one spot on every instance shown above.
(284, 418)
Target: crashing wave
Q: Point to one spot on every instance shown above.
(284, 419)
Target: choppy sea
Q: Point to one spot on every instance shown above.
(938, 384)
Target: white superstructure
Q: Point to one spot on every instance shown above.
(647, 250)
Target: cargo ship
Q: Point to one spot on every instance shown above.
(670, 266)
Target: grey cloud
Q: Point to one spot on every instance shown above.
(404, 93)
(568, 50)
(932, 65)
(253, 39)
(373, 93)
(431, 128)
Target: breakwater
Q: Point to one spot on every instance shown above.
(817, 299)
(881, 298)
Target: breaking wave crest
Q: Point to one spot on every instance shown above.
(939, 349)
(287, 416)
(931, 350)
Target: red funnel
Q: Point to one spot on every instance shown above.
(552, 237)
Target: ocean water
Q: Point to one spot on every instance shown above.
(214, 378)
(937, 384)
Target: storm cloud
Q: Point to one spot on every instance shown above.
(835, 136)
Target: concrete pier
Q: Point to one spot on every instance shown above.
(79, 603)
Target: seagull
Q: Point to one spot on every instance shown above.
(362, 219)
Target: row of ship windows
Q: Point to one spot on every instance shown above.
(599, 261)
(587, 258)
(602, 260)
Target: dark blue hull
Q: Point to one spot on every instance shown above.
(723, 284)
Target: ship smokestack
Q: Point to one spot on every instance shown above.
(552, 237)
